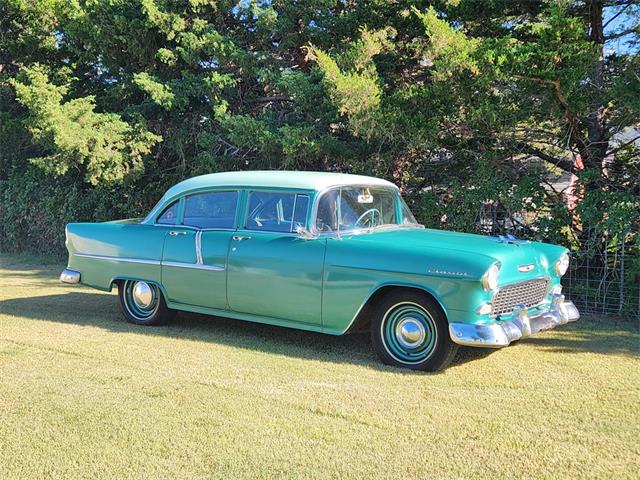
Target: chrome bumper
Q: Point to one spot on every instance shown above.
(501, 334)
(70, 276)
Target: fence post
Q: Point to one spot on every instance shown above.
(621, 277)
(605, 278)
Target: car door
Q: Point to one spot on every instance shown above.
(194, 258)
(273, 272)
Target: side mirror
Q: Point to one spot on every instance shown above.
(304, 233)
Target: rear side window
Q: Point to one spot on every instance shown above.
(211, 210)
(170, 215)
(277, 211)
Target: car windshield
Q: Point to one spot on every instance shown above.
(362, 208)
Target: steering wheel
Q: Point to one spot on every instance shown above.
(372, 212)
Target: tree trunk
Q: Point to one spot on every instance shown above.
(595, 120)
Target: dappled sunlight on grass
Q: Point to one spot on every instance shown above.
(589, 335)
(84, 394)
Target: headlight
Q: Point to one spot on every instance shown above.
(491, 277)
(562, 265)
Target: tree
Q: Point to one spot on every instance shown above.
(453, 100)
(517, 79)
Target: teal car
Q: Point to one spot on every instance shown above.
(324, 252)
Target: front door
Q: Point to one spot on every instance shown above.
(271, 271)
(194, 259)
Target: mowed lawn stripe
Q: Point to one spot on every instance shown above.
(83, 394)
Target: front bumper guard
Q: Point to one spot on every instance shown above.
(501, 334)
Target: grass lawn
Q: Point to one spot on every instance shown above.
(84, 395)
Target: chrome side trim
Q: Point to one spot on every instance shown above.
(215, 268)
(199, 247)
(118, 259)
(501, 334)
(70, 276)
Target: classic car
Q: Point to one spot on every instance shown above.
(326, 252)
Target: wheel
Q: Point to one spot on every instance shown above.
(409, 329)
(142, 303)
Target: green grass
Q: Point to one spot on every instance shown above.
(84, 394)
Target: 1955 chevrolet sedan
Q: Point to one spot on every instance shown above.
(325, 252)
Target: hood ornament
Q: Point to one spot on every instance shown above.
(526, 268)
(511, 239)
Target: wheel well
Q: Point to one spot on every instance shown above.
(363, 319)
(117, 282)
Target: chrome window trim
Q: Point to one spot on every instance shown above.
(306, 215)
(186, 196)
(314, 196)
(196, 229)
(118, 259)
(161, 212)
(293, 211)
(296, 193)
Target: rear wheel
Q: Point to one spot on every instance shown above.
(142, 303)
(409, 329)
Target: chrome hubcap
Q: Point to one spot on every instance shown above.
(142, 295)
(410, 332)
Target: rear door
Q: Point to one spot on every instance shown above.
(194, 259)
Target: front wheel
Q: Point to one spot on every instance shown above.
(409, 329)
(142, 303)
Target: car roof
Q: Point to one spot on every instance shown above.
(274, 179)
(316, 181)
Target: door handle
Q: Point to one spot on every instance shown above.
(175, 233)
(239, 238)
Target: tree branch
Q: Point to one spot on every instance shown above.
(563, 163)
(569, 114)
(273, 98)
(620, 147)
(620, 12)
(622, 33)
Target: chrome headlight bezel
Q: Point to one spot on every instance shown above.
(562, 265)
(491, 277)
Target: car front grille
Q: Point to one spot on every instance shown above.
(529, 294)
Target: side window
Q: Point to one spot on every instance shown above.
(300, 212)
(327, 216)
(170, 215)
(211, 210)
(276, 211)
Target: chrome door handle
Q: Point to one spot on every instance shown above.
(239, 238)
(175, 233)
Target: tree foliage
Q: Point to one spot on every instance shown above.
(480, 109)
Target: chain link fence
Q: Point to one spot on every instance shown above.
(605, 284)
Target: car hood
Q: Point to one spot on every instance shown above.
(519, 259)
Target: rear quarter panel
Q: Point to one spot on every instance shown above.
(102, 252)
